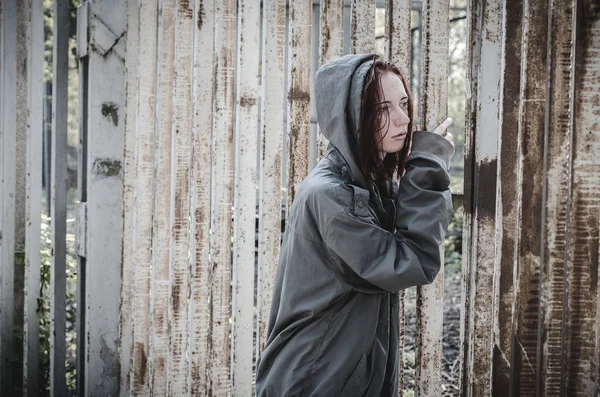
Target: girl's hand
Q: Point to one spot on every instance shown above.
(442, 130)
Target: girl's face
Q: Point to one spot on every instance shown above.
(394, 130)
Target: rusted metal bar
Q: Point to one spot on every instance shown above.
(362, 27)
(433, 109)
(397, 50)
(331, 38)
(34, 123)
(529, 198)
(298, 129)
(246, 152)
(8, 120)
(222, 163)
(180, 215)
(128, 274)
(583, 373)
(510, 177)
(104, 204)
(200, 209)
(558, 138)
(58, 208)
(143, 195)
(270, 172)
(480, 259)
(161, 230)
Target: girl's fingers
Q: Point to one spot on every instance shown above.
(443, 126)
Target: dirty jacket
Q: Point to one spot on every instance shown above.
(334, 323)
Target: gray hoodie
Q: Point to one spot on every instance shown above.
(334, 325)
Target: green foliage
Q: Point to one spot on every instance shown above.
(44, 305)
(453, 242)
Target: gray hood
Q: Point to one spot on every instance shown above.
(338, 93)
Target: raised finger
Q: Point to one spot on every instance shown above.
(443, 126)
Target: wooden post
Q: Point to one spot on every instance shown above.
(103, 224)
(181, 164)
(200, 207)
(246, 151)
(8, 128)
(397, 50)
(270, 165)
(433, 110)
(35, 131)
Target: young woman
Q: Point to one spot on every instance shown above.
(354, 239)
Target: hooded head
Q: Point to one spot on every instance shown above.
(339, 88)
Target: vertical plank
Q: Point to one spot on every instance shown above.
(583, 372)
(58, 208)
(128, 281)
(104, 185)
(82, 52)
(433, 106)
(161, 235)
(331, 37)
(529, 198)
(510, 178)
(7, 171)
(35, 125)
(362, 27)
(246, 151)
(143, 195)
(222, 184)
(270, 200)
(558, 171)
(180, 211)
(483, 115)
(202, 114)
(298, 129)
(397, 50)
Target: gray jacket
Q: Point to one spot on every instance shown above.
(333, 327)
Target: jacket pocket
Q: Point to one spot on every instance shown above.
(356, 383)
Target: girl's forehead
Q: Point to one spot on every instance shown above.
(392, 85)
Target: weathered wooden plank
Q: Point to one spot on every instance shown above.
(270, 201)
(397, 49)
(58, 207)
(202, 113)
(331, 38)
(480, 295)
(180, 211)
(434, 108)
(222, 163)
(529, 198)
(143, 194)
(35, 103)
(558, 174)
(510, 177)
(104, 182)
(298, 129)
(362, 27)
(246, 151)
(128, 279)
(161, 236)
(82, 45)
(583, 299)
(8, 143)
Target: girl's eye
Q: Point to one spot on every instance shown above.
(404, 104)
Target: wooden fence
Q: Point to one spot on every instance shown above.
(195, 130)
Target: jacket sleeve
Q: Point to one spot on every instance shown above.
(410, 256)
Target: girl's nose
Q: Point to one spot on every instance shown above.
(401, 119)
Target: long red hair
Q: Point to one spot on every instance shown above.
(375, 119)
